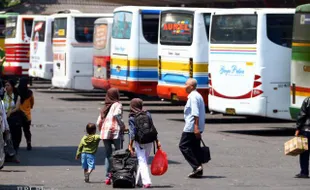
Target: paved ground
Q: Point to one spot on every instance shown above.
(247, 154)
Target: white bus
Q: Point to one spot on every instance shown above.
(17, 45)
(72, 48)
(41, 48)
(101, 53)
(249, 63)
(183, 52)
(134, 49)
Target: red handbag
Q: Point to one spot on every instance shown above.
(159, 164)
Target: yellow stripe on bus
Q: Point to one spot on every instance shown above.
(175, 66)
(301, 44)
(135, 62)
(304, 94)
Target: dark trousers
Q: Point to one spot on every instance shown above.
(16, 132)
(191, 149)
(304, 157)
(26, 129)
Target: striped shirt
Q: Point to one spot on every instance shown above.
(110, 127)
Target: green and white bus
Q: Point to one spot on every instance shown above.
(300, 66)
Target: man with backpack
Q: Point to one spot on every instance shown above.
(194, 116)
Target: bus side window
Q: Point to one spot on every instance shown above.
(150, 23)
(280, 29)
(206, 18)
(28, 26)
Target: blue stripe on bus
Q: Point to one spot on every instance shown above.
(135, 74)
(153, 12)
(180, 79)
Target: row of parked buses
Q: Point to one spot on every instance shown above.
(241, 58)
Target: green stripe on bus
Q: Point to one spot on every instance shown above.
(301, 49)
(294, 112)
(301, 56)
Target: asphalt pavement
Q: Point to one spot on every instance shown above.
(247, 154)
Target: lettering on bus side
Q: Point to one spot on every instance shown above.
(231, 71)
(59, 56)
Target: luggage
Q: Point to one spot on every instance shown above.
(206, 156)
(123, 169)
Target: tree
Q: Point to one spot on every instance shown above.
(8, 3)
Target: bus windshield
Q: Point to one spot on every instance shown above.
(2, 27)
(60, 28)
(100, 36)
(10, 30)
(301, 27)
(234, 29)
(176, 28)
(121, 28)
(39, 31)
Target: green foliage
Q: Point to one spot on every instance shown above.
(8, 3)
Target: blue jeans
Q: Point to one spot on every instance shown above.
(304, 157)
(88, 161)
(108, 151)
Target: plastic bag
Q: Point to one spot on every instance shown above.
(159, 164)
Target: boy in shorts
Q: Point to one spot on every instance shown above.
(87, 150)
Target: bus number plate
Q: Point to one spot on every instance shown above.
(230, 111)
(175, 97)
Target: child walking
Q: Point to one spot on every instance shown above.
(87, 150)
(143, 145)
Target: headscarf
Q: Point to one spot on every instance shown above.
(111, 97)
(136, 107)
(23, 90)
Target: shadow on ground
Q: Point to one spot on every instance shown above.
(57, 156)
(238, 120)
(275, 132)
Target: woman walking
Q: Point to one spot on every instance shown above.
(26, 104)
(11, 102)
(142, 150)
(111, 127)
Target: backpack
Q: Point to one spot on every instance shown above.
(145, 129)
(123, 169)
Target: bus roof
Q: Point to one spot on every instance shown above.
(43, 17)
(81, 15)
(103, 20)
(255, 10)
(141, 8)
(303, 8)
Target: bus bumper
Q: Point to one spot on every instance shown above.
(294, 112)
(100, 83)
(136, 87)
(252, 106)
(44, 73)
(178, 93)
(12, 71)
(61, 82)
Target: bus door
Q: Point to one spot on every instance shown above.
(59, 47)
(176, 38)
(233, 57)
(120, 64)
(82, 52)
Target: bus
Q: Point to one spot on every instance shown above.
(249, 62)
(183, 52)
(101, 53)
(3, 16)
(41, 53)
(17, 45)
(300, 65)
(72, 49)
(134, 50)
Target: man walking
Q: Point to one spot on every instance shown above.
(194, 116)
(303, 128)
